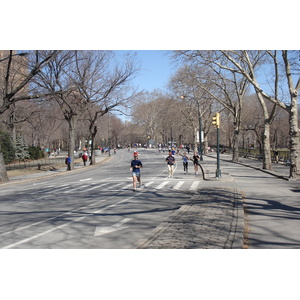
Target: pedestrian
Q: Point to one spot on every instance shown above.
(170, 162)
(135, 167)
(276, 157)
(68, 162)
(84, 158)
(196, 162)
(185, 160)
(188, 149)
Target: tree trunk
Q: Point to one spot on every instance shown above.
(236, 134)
(72, 124)
(195, 140)
(3, 173)
(267, 163)
(294, 141)
(235, 154)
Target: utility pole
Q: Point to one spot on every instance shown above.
(200, 133)
(216, 122)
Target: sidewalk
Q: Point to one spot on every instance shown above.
(213, 219)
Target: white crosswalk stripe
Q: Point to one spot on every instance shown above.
(188, 185)
(194, 185)
(162, 185)
(178, 185)
(149, 183)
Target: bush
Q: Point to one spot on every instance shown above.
(35, 152)
(7, 147)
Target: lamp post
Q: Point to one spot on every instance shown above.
(216, 122)
(200, 133)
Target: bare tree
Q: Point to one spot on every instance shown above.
(195, 89)
(17, 88)
(102, 84)
(291, 67)
(226, 86)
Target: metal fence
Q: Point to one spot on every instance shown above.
(35, 163)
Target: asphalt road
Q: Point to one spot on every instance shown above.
(95, 207)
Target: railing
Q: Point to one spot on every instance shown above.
(283, 155)
(35, 163)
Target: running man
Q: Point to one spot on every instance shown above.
(170, 161)
(135, 166)
(185, 161)
(196, 159)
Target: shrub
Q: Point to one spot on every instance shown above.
(35, 152)
(7, 147)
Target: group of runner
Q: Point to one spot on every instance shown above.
(136, 165)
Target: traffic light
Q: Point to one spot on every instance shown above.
(216, 120)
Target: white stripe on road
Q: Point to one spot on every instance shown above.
(63, 225)
(194, 185)
(162, 185)
(178, 185)
(86, 179)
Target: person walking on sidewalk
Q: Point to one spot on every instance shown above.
(135, 167)
(185, 160)
(170, 162)
(84, 158)
(196, 159)
(68, 162)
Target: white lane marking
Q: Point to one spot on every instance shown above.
(50, 189)
(66, 213)
(86, 179)
(72, 189)
(178, 185)
(63, 225)
(194, 185)
(112, 186)
(92, 188)
(108, 229)
(149, 183)
(162, 185)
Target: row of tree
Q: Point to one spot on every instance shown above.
(42, 87)
(69, 96)
(255, 91)
(227, 76)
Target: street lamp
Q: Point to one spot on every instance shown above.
(200, 133)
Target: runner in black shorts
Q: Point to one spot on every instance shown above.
(135, 166)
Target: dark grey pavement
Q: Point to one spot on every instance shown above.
(214, 216)
(246, 208)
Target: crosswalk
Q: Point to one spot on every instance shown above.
(89, 186)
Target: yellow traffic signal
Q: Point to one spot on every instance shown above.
(216, 120)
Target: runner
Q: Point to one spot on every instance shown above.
(196, 162)
(170, 161)
(185, 160)
(135, 166)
